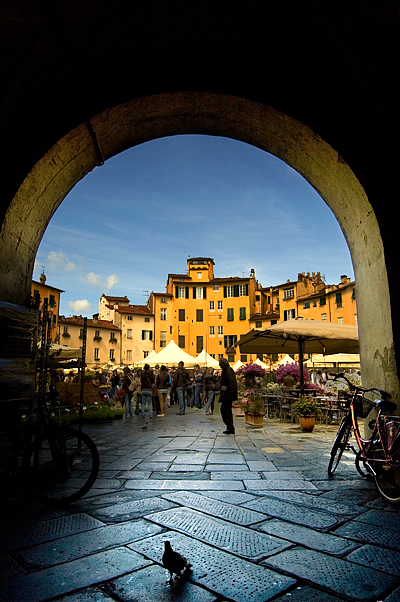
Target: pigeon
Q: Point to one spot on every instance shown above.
(145, 426)
(173, 561)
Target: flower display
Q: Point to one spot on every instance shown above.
(251, 370)
(294, 370)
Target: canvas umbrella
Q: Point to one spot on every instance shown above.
(204, 359)
(301, 336)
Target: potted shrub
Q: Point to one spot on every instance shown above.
(306, 408)
(253, 407)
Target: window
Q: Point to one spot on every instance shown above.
(243, 358)
(112, 354)
(129, 333)
(145, 353)
(220, 356)
(315, 303)
(243, 290)
(289, 314)
(129, 318)
(129, 354)
(212, 331)
(259, 324)
(181, 341)
(231, 358)
(199, 317)
(97, 333)
(163, 343)
(242, 313)
(323, 316)
(339, 300)
(147, 319)
(230, 340)
(199, 276)
(230, 314)
(52, 301)
(163, 314)
(220, 331)
(147, 335)
(212, 355)
(65, 330)
(212, 305)
(288, 293)
(163, 300)
(322, 301)
(220, 305)
(199, 292)
(274, 322)
(257, 297)
(340, 320)
(306, 304)
(181, 292)
(163, 335)
(96, 354)
(229, 291)
(181, 315)
(353, 293)
(199, 344)
(81, 333)
(215, 288)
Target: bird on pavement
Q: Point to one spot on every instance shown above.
(173, 561)
(145, 426)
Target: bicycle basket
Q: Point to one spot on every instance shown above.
(391, 433)
(363, 406)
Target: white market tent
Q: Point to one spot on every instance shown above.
(258, 362)
(238, 365)
(286, 360)
(204, 359)
(171, 355)
(348, 360)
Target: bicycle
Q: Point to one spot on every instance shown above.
(378, 456)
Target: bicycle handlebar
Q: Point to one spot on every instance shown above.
(383, 394)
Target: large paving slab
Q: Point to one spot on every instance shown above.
(219, 571)
(372, 534)
(236, 539)
(22, 535)
(219, 509)
(293, 513)
(130, 510)
(225, 458)
(381, 559)
(179, 485)
(259, 465)
(226, 468)
(336, 575)
(379, 518)
(317, 503)
(151, 584)
(232, 497)
(82, 544)
(235, 476)
(278, 484)
(65, 578)
(323, 542)
(305, 593)
(89, 594)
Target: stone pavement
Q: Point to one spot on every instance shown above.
(255, 513)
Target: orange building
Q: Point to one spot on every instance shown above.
(41, 291)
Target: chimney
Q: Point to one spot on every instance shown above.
(252, 274)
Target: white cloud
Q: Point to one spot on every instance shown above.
(97, 282)
(60, 261)
(80, 305)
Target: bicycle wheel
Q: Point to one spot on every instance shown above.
(62, 466)
(360, 465)
(387, 479)
(339, 445)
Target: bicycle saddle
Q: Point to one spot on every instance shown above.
(386, 406)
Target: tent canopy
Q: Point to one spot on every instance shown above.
(286, 360)
(238, 365)
(171, 355)
(204, 359)
(260, 363)
(61, 352)
(335, 358)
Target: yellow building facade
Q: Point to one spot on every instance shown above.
(103, 339)
(41, 291)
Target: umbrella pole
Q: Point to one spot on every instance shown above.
(301, 346)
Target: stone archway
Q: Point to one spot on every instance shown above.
(132, 123)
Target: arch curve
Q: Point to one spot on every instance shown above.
(143, 119)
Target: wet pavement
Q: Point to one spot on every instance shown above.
(255, 514)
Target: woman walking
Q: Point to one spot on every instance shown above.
(163, 382)
(209, 390)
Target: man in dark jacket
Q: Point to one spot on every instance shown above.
(228, 395)
(181, 381)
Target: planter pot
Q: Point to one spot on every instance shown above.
(237, 410)
(254, 419)
(307, 423)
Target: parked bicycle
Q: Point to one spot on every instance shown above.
(378, 456)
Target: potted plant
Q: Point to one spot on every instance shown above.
(253, 407)
(306, 408)
(250, 372)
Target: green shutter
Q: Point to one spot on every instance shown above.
(225, 293)
(186, 292)
(230, 314)
(204, 293)
(225, 341)
(176, 292)
(242, 315)
(236, 290)
(247, 290)
(194, 292)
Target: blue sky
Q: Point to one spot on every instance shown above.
(130, 222)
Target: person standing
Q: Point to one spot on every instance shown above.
(138, 394)
(162, 382)
(288, 381)
(147, 380)
(181, 380)
(127, 382)
(114, 381)
(210, 381)
(228, 395)
(198, 386)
